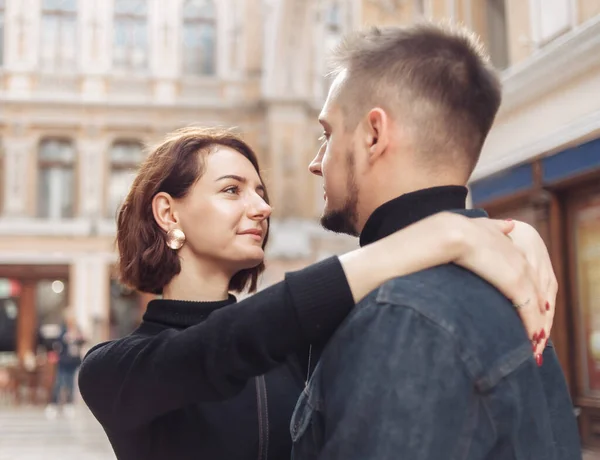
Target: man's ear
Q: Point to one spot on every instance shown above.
(164, 212)
(378, 137)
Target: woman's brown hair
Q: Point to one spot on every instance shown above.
(146, 263)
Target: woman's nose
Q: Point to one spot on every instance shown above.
(260, 209)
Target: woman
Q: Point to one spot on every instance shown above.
(193, 228)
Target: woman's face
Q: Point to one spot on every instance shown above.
(224, 216)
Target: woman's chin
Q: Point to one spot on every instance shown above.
(252, 259)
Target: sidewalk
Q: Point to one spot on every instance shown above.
(26, 434)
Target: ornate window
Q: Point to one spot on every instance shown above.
(58, 47)
(56, 159)
(199, 37)
(130, 44)
(333, 24)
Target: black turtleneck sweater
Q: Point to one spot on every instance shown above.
(181, 386)
(412, 207)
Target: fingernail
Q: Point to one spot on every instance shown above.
(542, 335)
(547, 306)
(535, 337)
(539, 360)
(533, 346)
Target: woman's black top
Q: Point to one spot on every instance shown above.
(181, 386)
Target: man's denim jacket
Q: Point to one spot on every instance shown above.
(435, 366)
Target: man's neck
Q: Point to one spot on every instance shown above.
(386, 184)
(409, 208)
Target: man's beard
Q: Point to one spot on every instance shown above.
(344, 220)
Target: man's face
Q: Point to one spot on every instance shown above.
(336, 163)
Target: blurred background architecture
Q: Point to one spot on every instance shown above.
(86, 84)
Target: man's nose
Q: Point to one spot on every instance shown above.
(315, 166)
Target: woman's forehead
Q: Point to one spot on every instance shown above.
(224, 160)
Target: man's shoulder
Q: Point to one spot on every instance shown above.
(443, 294)
(471, 314)
(454, 298)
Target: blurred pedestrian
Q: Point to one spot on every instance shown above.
(67, 353)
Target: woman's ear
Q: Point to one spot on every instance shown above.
(164, 211)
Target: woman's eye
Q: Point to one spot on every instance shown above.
(233, 190)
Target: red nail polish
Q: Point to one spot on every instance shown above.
(539, 360)
(542, 335)
(535, 338)
(533, 346)
(547, 306)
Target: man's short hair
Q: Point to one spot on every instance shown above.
(435, 79)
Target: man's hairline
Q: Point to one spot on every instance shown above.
(340, 97)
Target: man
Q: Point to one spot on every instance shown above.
(432, 365)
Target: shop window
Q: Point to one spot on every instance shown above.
(587, 265)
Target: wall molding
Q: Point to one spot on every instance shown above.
(56, 258)
(22, 226)
(572, 134)
(553, 65)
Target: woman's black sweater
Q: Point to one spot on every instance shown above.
(181, 387)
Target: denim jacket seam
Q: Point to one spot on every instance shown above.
(483, 379)
(469, 361)
(308, 393)
(503, 367)
(488, 412)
